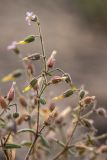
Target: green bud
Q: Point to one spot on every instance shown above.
(33, 82)
(68, 93)
(17, 73)
(15, 115)
(42, 101)
(82, 94)
(33, 57)
(16, 50)
(29, 39)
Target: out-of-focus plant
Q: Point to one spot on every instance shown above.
(51, 130)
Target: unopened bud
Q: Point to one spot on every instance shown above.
(102, 149)
(22, 101)
(11, 93)
(30, 68)
(42, 101)
(33, 83)
(15, 115)
(33, 57)
(51, 60)
(101, 112)
(88, 100)
(28, 39)
(67, 78)
(50, 119)
(24, 117)
(81, 94)
(17, 73)
(3, 103)
(68, 93)
(56, 79)
(88, 123)
(51, 106)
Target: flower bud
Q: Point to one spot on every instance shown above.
(33, 82)
(27, 40)
(24, 117)
(50, 119)
(13, 47)
(82, 93)
(11, 93)
(102, 149)
(67, 78)
(33, 57)
(56, 79)
(30, 68)
(51, 60)
(88, 123)
(101, 112)
(88, 100)
(15, 115)
(3, 103)
(51, 106)
(68, 93)
(17, 73)
(42, 101)
(22, 101)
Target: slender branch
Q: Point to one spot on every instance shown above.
(42, 45)
(69, 140)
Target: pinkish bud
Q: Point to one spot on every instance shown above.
(3, 103)
(56, 79)
(88, 100)
(51, 60)
(11, 93)
(51, 106)
(30, 68)
(22, 101)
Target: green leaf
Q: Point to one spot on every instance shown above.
(3, 125)
(44, 141)
(12, 146)
(26, 143)
(49, 74)
(26, 130)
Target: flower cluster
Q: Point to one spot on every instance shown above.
(50, 125)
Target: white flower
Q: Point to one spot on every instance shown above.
(12, 46)
(30, 16)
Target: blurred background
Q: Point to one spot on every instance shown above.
(77, 29)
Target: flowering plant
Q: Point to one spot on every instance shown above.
(51, 130)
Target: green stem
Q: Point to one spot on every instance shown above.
(42, 45)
